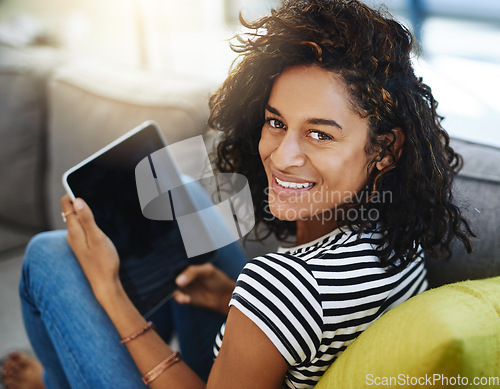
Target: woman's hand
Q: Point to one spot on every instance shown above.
(94, 250)
(205, 286)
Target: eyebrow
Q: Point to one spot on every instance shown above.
(317, 121)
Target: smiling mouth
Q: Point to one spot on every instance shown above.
(293, 185)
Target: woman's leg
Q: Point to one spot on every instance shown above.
(69, 331)
(73, 336)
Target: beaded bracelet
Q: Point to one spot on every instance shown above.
(156, 371)
(147, 327)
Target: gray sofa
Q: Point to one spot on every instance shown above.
(56, 111)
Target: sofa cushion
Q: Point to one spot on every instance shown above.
(450, 331)
(93, 103)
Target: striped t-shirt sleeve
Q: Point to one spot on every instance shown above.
(280, 295)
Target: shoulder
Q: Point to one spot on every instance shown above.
(279, 293)
(281, 269)
(282, 281)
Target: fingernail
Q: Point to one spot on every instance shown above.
(79, 204)
(181, 280)
(182, 299)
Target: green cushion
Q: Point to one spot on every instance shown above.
(451, 331)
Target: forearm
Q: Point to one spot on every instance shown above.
(100, 262)
(147, 350)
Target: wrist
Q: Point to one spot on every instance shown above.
(110, 293)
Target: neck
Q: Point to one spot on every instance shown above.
(309, 230)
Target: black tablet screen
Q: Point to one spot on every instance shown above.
(151, 252)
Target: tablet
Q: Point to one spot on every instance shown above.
(151, 251)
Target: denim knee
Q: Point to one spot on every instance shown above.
(47, 254)
(45, 250)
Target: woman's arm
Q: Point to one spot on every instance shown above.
(99, 260)
(247, 358)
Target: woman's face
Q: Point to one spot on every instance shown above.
(313, 146)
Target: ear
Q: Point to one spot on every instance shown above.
(393, 143)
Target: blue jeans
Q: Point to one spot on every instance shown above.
(72, 335)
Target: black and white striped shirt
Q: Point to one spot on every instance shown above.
(313, 300)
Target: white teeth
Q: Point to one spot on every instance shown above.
(293, 185)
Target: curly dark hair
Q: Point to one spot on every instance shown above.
(372, 53)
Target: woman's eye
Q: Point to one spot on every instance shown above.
(275, 123)
(318, 135)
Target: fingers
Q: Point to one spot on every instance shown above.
(76, 234)
(67, 208)
(86, 219)
(80, 220)
(192, 272)
(182, 298)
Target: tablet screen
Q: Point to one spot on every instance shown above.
(151, 252)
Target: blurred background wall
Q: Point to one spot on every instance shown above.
(460, 42)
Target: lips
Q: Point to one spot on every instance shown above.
(290, 187)
(293, 185)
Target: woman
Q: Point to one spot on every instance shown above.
(344, 152)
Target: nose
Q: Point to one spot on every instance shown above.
(289, 152)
